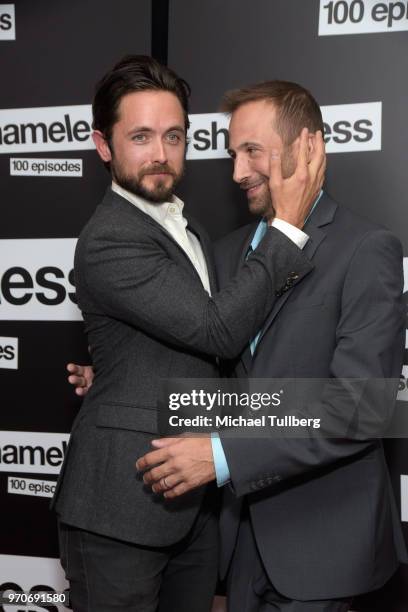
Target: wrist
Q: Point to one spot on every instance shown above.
(294, 220)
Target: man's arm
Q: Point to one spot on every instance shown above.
(138, 283)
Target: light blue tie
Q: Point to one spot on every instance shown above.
(259, 234)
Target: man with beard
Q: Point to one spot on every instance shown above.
(308, 521)
(146, 286)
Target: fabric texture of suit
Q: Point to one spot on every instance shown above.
(322, 509)
(149, 318)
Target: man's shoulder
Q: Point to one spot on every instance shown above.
(351, 233)
(352, 225)
(113, 215)
(358, 221)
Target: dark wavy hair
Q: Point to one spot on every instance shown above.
(134, 73)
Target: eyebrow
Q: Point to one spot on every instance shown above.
(141, 128)
(145, 129)
(244, 145)
(176, 128)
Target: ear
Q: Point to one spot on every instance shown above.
(102, 146)
(311, 146)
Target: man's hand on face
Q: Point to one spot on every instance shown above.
(178, 465)
(81, 377)
(293, 197)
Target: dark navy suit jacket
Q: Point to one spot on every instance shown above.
(322, 509)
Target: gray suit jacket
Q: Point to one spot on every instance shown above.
(148, 318)
(322, 510)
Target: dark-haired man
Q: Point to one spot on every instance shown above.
(146, 286)
(307, 522)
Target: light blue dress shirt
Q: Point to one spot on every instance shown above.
(222, 472)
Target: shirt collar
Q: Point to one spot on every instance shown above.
(158, 211)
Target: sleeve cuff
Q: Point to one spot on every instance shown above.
(222, 472)
(292, 232)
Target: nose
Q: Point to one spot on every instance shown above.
(241, 169)
(160, 155)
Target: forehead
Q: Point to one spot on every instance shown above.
(252, 122)
(154, 109)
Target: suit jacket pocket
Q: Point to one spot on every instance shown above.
(301, 303)
(122, 416)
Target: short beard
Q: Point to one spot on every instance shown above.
(158, 195)
(263, 205)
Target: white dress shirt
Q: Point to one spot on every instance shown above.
(170, 216)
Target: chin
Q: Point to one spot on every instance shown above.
(157, 184)
(257, 208)
(159, 193)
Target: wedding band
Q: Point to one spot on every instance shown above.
(164, 483)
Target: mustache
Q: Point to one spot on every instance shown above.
(245, 185)
(158, 169)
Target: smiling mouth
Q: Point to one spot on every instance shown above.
(253, 189)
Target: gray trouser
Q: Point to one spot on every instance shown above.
(107, 575)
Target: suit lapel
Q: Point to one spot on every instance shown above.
(323, 215)
(246, 355)
(247, 243)
(316, 236)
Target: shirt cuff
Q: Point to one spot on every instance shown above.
(222, 472)
(292, 232)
